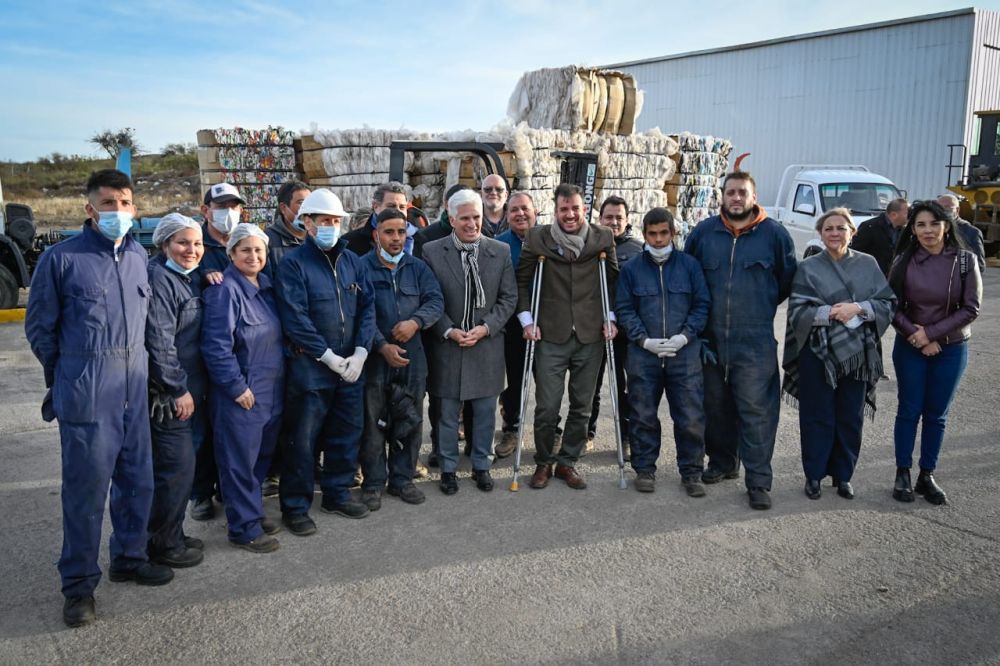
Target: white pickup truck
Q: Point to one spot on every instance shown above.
(809, 190)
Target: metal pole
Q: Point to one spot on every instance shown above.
(609, 352)
(529, 358)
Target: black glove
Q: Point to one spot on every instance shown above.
(161, 408)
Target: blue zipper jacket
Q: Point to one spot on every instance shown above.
(747, 276)
(215, 258)
(86, 324)
(326, 302)
(173, 331)
(661, 300)
(515, 243)
(409, 292)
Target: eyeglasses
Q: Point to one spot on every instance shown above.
(494, 190)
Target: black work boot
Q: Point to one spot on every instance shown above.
(902, 490)
(928, 487)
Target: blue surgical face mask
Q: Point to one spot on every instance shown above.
(225, 220)
(175, 267)
(114, 224)
(326, 237)
(660, 254)
(388, 257)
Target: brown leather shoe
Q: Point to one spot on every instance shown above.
(571, 477)
(541, 477)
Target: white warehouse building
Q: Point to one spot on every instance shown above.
(890, 95)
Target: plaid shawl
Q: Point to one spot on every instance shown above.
(845, 352)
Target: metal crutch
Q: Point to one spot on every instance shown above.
(609, 351)
(529, 358)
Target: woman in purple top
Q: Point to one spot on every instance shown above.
(939, 288)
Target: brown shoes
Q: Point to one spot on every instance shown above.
(571, 477)
(541, 477)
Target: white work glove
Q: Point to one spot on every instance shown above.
(674, 344)
(355, 364)
(336, 363)
(655, 345)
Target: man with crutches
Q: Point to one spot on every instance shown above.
(662, 306)
(569, 328)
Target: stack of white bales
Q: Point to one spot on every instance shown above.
(702, 161)
(256, 161)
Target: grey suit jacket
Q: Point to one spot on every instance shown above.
(466, 373)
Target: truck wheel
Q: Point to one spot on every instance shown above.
(8, 289)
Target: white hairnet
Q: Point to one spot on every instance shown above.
(169, 225)
(245, 230)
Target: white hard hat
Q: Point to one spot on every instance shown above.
(322, 202)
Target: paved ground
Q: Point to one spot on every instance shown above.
(553, 576)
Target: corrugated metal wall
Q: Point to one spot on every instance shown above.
(984, 89)
(890, 97)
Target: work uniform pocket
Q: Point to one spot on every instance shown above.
(88, 311)
(74, 393)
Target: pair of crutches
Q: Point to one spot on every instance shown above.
(529, 359)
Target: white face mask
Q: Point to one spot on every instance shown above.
(225, 220)
(660, 254)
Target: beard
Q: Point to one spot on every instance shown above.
(739, 217)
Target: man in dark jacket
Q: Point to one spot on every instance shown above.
(570, 329)
(407, 301)
(614, 216)
(749, 262)
(328, 315)
(387, 195)
(283, 236)
(494, 192)
(521, 216)
(86, 323)
(969, 232)
(662, 306)
(878, 235)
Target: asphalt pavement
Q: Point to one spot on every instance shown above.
(601, 575)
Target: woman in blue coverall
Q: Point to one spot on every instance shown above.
(241, 345)
(177, 384)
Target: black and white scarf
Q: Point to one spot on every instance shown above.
(475, 297)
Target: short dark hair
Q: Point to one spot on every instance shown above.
(659, 215)
(390, 214)
(457, 187)
(895, 205)
(567, 190)
(739, 175)
(112, 178)
(393, 186)
(613, 201)
(288, 188)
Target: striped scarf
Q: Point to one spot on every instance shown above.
(475, 297)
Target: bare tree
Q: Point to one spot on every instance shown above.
(113, 141)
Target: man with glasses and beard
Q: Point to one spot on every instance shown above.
(749, 262)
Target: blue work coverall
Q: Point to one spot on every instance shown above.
(173, 340)
(241, 346)
(86, 323)
(411, 291)
(659, 301)
(326, 302)
(748, 276)
(206, 473)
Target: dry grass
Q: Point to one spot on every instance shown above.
(60, 212)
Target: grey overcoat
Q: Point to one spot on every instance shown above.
(466, 373)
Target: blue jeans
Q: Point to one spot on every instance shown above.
(926, 386)
(484, 416)
(680, 378)
(831, 421)
(744, 399)
(330, 420)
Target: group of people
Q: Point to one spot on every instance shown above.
(301, 353)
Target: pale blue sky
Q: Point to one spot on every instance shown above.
(170, 68)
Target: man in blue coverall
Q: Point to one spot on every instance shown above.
(328, 314)
(86, 323)
(407, 300)
(749, 262)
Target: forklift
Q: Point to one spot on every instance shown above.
(978, 181)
